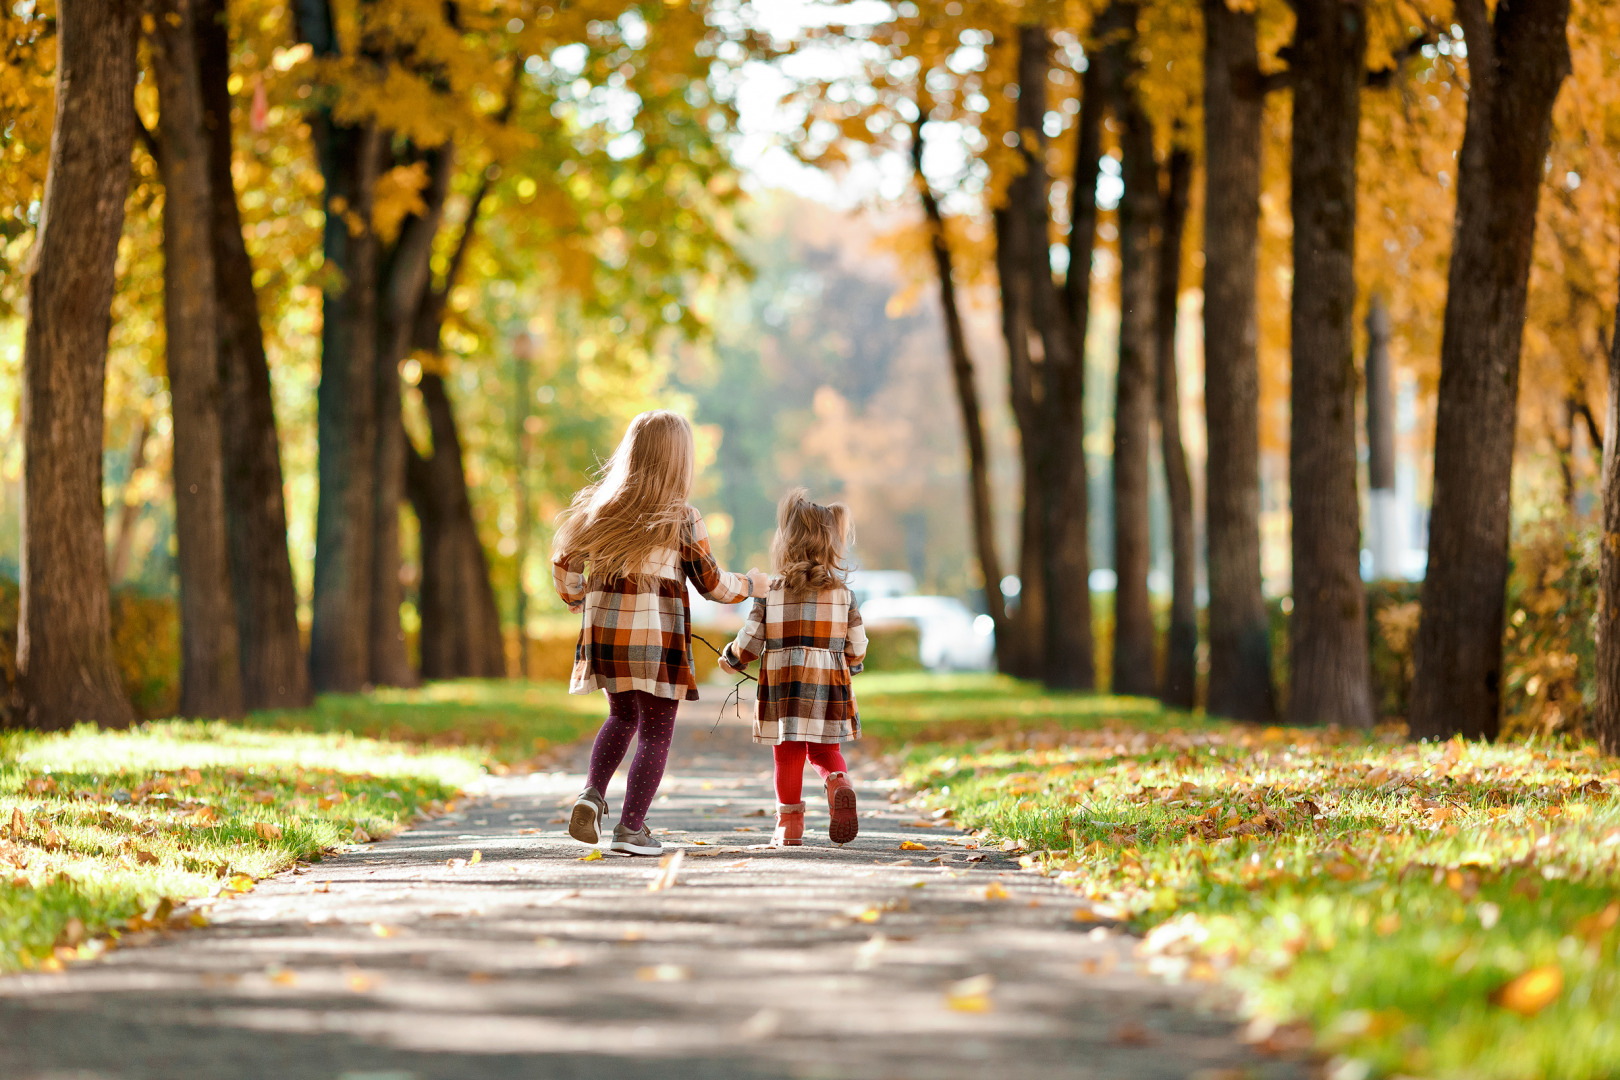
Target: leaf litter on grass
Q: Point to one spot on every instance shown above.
(1436, 910)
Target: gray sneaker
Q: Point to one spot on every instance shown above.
(639, 842)
(584, 824)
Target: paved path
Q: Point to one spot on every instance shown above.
(393, 963)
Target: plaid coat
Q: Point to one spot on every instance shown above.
(639, 637)
(811, 643)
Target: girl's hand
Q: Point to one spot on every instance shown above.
(759, 583)
(577, 608)
(727, 668)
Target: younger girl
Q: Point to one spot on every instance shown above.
(625, 550)
(808, 629)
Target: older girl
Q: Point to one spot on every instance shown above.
(808, 631)
(626, 548)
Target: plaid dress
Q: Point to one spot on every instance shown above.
(639, 636)
(812, 641)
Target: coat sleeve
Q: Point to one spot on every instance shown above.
(568, 576)
(750, 643)
(855, 639)
(698, 562)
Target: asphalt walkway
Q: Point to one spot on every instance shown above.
(481, 945)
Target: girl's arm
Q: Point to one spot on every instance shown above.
(750, 643)
(697, 560)
(568, 577)
(855, 639)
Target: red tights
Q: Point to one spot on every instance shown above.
(790, 757)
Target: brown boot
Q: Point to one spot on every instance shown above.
(789, 826)
(841, 803)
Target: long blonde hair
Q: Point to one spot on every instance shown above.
(639, 505)
(811, 541)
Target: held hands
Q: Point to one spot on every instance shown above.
(727, 668)
(577, 608)
(759, 583)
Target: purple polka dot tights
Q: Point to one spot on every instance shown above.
(631, 712)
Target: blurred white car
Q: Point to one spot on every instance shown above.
(877, 584)
(950, 637)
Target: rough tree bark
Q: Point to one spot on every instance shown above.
(346, 414)
(404, 278)
(461, 623)
(1070, 645)
(64, 650)
(1331, 681)
(1134, 389)
(1517, 62)
(210, 663)
(1023, 654)
(1240, 683)
(1179, 685)
(1606, 718)
(967, 396)
(275, 671)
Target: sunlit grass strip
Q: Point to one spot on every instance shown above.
(102, 833)
(1448, 910)
(508, 722)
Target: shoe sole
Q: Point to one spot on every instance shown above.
(628, 848)
(846, 823)
(582, 824)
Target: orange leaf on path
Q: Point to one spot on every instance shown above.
(1531, 992)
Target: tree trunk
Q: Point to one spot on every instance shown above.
(967, 399)
(340, 655)
(1070, 645)
(210, 664)
(1134, 392)
(64, 649)
(1606, 717)
(1386, 529)
(275, 671)
(1239, 644)
(461, 624)
(1178, 688)
(346, 404)
(405, 277)
(1024, 657)
(1331, 682)
(1516, 66)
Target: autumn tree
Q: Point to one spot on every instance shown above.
(1135, 382)
(64, 657)
(1330, 680)
(1517, 60)
(1239, 645)
(1179, 685)
(275, 669)
(1607, 716)
(210, 671)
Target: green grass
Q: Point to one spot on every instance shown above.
(505, 722)
(1437, 910)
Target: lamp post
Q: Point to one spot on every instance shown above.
(523, 350)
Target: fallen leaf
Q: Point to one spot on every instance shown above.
(382, 930)
(72, 934)
(1132, 1034)
(267, 830)
(324, 886)
(870, 914)
(1531, 992)
(360, 836)
(19, 824)
(664, 973)
(477, 857)
(284, 977)
(995, 891)
(146, 858)
(590, 856)
(1593, 927)
(359, 982)
(912, 845)
(971, 995)
(668, 868)
(52, 840)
